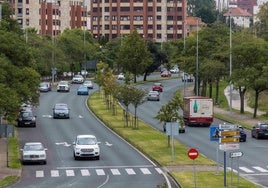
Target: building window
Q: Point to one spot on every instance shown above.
(27, 11)
(114, 18)
(106, 27)
(179, 18)
(95, 18)
(138, 18)
(158, 9)
(114, 9)
(138, 9)
(125, 9)
(124, 1)
(158, 27)
(150, 26)
(27, 22)
(170, 9)
(95, 9)
(158, 17)
(27, 1)
(158, 36)
(150, 18)
(124, 18)
(106, 9)
(114, 27)
(106, 18)
(150, 9)
(106, 1)
(179, 9)
(169, 27)
(169, 17)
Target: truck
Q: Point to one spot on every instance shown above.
(197, 111)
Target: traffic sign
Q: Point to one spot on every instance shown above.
(227, 126)
(229, 139)
(229, 133)
(229, 146)
(193, 153)
(236, 154)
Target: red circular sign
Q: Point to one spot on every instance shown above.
(193, 153)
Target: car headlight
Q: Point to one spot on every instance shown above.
(20, 119)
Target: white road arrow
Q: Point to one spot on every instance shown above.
(47, 116)
(108, 144)
(80, 116)
(63, 143)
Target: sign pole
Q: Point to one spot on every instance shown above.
(194, 174)
(172, 143)
(224, 167)
(193, 154)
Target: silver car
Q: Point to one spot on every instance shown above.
(88, 84)
(78, 79)
(153, 96)
(86, 146)
(61, 110)
(33, 152)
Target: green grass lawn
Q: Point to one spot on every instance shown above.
(154, 144)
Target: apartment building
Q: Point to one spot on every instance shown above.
(156, 20)
(50, 17)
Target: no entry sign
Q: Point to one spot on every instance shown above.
(193, 153)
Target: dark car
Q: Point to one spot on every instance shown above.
(243, 134)
(157, 87)
(260, 130)
(26, 118)
(61, 110)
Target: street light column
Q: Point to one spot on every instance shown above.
(231, 84)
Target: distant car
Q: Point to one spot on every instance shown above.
(121, 76)
(165, 74)
(243, 134)
(157, 87)
(153, 96)
(86, 146)
(26, 118)
(174, 70)
(33, 152)
(44, 87)
(84, 73)
(260, 130)
(78, 79)
(63, 86)
(82, 90)
(187, 77)
(88, 84)
(61, 110)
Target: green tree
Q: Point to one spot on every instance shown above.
(134, 56)
(261, 25)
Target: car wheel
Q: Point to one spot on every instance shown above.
(98, 157)
(44, 162)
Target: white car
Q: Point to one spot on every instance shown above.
(88, 84)
(78, 79)
(33, 152)
(121, 76)
(63, 86)
(86, 146)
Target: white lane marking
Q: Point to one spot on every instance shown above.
(260, 169)
(115, 171)
(145, 171)
(54, 173)
(69, 173)
(39, 174)
(159, 170)
(245, 169)
(100, 172)
(108, 144)
(130, 171)
(229, 168)
(85, 172)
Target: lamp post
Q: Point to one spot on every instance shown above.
(230, 84)
(196, 80)
(184, 46)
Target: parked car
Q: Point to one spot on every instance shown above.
(88, 84)
(121, 76)
(78, 79)
(157, 86)
(44, 87)
(26, 118)
(33, 152)
(153, 96)
(63, 86)
(260, 130)
(243, 134)
(61, 110)
(165, 74)
(82, 90)
(86, 146)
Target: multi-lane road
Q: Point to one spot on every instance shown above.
(253, 165)
(120, 165)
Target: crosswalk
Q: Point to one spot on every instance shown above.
(250, 170)
(98, 171)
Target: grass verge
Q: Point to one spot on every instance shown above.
(154, 144)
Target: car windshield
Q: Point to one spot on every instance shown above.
(61, 107)
(26, 114)
(264, 126)
(157, 84)
(86, 141)
(63, 83)
(43, 85)
(33, 147)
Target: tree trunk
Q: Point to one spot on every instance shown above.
(242, 99)
(217, 92)
(256, 104)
